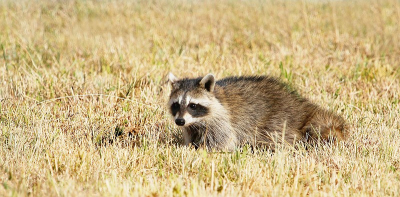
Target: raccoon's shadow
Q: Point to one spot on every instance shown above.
(165, 134)
(160, 133)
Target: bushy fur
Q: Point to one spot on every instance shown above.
(256, 110)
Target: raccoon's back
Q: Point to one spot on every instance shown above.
(256, 92)
(262, 102)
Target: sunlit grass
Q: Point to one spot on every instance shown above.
(83, 93)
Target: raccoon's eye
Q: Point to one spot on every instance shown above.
(192, 106)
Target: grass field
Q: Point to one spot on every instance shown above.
(83, 95)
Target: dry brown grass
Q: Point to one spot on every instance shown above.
(75, 74)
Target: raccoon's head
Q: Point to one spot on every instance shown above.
(191, 99)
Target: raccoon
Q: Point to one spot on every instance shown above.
(255, 110)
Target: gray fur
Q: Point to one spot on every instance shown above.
(257, 110)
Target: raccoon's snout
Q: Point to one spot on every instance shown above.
(180, 121)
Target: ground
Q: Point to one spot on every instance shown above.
(83, 95)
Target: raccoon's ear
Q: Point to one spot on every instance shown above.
(208, 82)
(172, 78)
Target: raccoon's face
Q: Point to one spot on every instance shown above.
(191, 99)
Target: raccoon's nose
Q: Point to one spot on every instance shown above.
(180, 121)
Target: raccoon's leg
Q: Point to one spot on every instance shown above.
(230, 142)
(187, 138)
(190, 136)
(325, 126)
(218, 140)
(221, 137)
(215, 137)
